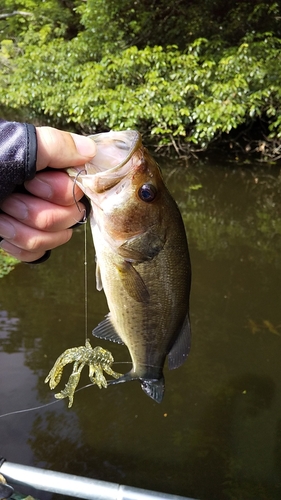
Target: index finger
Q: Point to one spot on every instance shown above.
(55, 186)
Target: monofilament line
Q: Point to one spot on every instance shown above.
(84, 221)
(86, 281)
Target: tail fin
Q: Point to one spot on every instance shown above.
(154, 388)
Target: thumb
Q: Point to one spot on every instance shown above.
(59, 149)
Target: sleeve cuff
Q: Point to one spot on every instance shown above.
(31, 151)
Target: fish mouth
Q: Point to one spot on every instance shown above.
(114, 151)
(152, 387)
(115, 158)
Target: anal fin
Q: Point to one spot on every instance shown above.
(105, 330)
(99, 286)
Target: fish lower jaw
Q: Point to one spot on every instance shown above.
(152, 382)
(152, 387)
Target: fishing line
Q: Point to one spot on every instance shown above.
(85, 282)
(55, 401)
(84, 221)
(28, 409)
(34, 408)
(40, 407)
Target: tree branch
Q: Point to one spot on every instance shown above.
(15, 13)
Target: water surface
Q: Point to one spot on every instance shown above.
(217, 433)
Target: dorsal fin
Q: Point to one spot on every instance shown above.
(181, 347)
(105, 330)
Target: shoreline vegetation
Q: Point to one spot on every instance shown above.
(7, 263)
(190, 76)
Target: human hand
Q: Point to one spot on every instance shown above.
(33, 223)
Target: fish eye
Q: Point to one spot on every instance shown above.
(122, 145)
(147, 192)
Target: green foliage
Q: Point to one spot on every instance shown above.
(99, 64)
(20, 20)
(7, 263)
(125, 23)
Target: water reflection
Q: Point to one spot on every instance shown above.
(8, 326)
(217, 434)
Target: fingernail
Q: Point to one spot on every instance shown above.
(7, 230)
(11, 249)
(43, 189)
(16, 208)
(84, 145)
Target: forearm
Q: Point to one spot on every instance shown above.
(18, 151)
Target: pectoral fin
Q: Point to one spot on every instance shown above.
(133, 282)
(181, 347)
(105, 330)
(99, 286)
(142, 247)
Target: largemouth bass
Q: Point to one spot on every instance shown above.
(142, 257)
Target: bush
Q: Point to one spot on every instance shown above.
(191, 97)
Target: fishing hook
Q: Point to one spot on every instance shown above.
(84, 199)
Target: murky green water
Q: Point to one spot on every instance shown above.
(217, 434)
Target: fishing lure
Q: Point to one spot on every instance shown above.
(98, 360)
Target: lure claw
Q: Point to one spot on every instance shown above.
(98, 359)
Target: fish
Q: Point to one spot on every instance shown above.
(142, 257)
